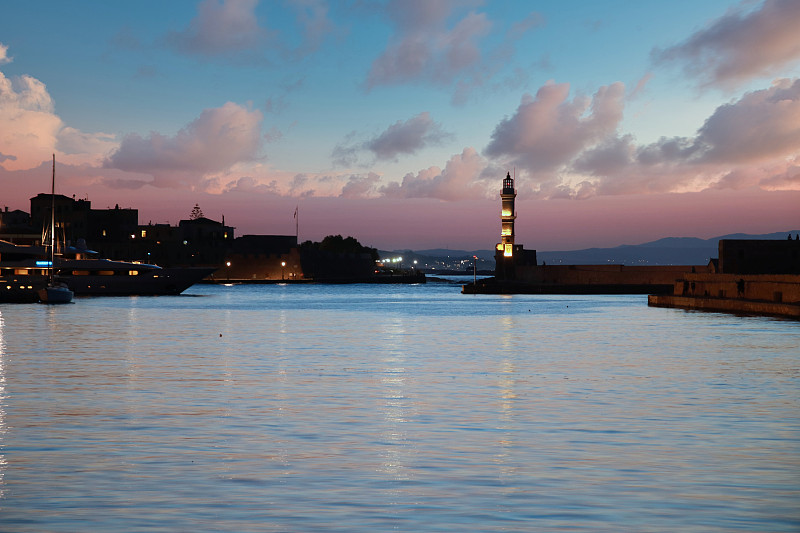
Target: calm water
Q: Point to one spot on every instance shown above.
(411, 408)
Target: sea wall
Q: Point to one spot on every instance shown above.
(764, 287)
(759, 294)
(727, 305)
(586, 279)
(604, 274)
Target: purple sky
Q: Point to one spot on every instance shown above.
(395, 121)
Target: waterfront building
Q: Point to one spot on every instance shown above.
(262, 257)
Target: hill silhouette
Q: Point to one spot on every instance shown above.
(666, 251)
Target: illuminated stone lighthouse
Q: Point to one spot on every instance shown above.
(507, 216)
(508, 255)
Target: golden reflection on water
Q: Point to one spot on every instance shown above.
(3, 428)
(506, 381)
(395, 454)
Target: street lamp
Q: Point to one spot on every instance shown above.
(228, 269)
(283, 269)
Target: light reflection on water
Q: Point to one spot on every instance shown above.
(412, 408)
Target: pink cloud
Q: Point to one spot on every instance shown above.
(313, 17)
(361, 186)
(532, 21)
(406, 137)
(218, 139)
(222, 28)
(740, 45)
(460, 180)
(230, 29)
(760, 125)
(400, 138)
(424, 49)
(546, 132)
(571, 149)
(4, 58)
(752, 141)
(30, 130)
(249, 184)
(28, 126)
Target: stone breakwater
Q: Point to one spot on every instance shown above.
(759, 294)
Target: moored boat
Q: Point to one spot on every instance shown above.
(104, 277)
(24, 266)
(55, 292)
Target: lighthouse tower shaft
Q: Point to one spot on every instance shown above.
(509, 257)
(507, 217)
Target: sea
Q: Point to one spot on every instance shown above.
(370, 408)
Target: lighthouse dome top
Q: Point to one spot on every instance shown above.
(508, 184)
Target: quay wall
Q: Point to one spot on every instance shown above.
(755, 294)
(763, 287)
(586, 279)
(604, 274)
(727, 305)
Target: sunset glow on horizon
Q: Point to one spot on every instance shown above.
(395, 122)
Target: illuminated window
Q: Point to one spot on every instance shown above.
(509, 251)
(506, 231)
(133, 272)
(104, 233)
(506, 213)
(500, 247)
(144, 233)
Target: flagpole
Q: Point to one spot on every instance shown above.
(296, 225)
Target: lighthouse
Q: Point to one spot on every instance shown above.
(509, 256)
(507, 216)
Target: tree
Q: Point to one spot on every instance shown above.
(196, 212)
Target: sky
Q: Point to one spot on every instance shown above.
(395, 122)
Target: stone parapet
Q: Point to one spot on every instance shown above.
(727, 305)
(779, 288)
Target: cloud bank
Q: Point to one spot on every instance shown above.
(221, 28)
(218, 139)
(401, 138)
(424, 48)
(572, 148)
(740, 45)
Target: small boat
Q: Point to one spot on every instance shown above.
(55, 292)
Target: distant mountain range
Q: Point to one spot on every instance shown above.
(667, 251)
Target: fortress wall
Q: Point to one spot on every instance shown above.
(604, 274)
(727, 305)
(763, 287)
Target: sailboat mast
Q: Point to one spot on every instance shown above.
(53, 218)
